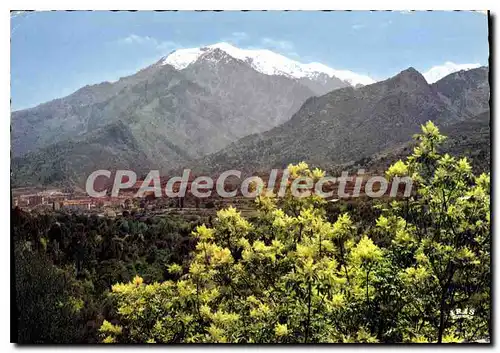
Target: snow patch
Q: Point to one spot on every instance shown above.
(438, 72)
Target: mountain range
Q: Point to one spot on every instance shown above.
(220, 107)
(350, 124)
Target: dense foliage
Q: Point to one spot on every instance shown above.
(420, 273)
(66, 264)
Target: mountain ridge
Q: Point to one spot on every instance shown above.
(348, 124)
(265, 61)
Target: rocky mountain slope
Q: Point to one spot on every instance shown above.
(69, 163)
(470, 138)
(173, 115)
(467, 92)
(349, 124)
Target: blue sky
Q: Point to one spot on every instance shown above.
(55, 53)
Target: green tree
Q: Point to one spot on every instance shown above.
(278, 280)
(441, 242)
(47, 303)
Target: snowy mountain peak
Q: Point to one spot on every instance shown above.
(438, 72)
(266, 62)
